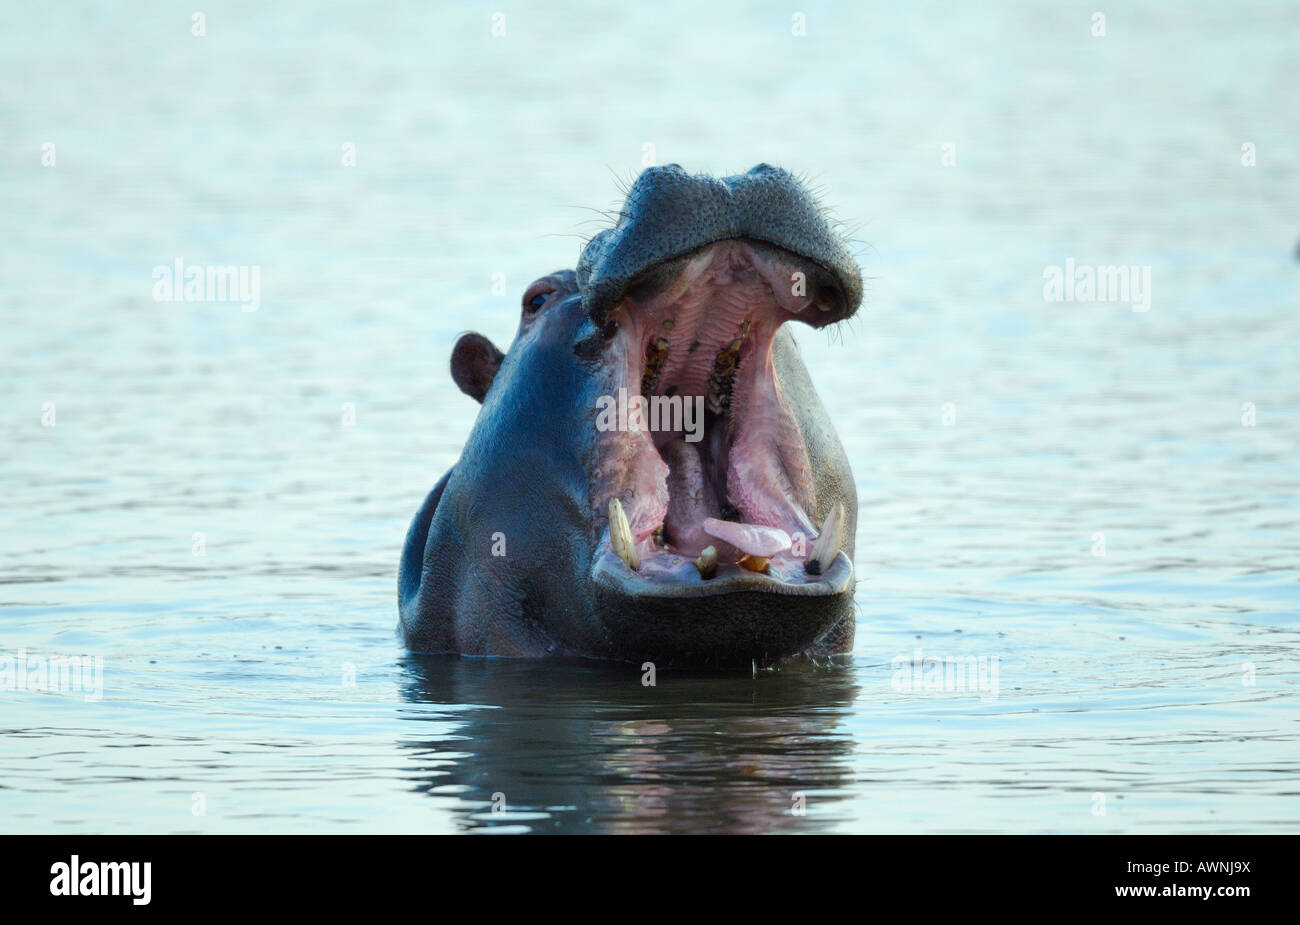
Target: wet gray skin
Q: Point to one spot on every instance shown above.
(688, 295)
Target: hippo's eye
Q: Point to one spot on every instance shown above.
(536, 296)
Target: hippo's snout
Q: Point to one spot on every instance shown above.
(690, 289)
(670, 214)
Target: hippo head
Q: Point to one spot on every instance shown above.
(652, 476)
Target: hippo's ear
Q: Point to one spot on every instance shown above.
(474, 364)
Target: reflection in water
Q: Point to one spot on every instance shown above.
(579, 747)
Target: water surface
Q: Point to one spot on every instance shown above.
(994, 435)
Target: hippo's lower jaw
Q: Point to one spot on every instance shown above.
(713, 494)
(733, 619)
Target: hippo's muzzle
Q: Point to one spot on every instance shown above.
(711, 491)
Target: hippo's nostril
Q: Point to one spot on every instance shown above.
(828, 299)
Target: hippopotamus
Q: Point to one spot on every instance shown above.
(652, 476)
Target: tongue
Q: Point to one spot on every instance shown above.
(751, 539)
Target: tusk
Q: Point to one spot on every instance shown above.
(827, 545)
(620, 535)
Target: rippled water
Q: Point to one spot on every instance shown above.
(261, 687)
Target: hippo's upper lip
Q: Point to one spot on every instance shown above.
(670, 214)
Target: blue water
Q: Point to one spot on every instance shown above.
(261, 686)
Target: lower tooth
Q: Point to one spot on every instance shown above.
(827, 545)
(753, 563)
(707, 563)
(620, 535)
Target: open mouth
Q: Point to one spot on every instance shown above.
(706, 481)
